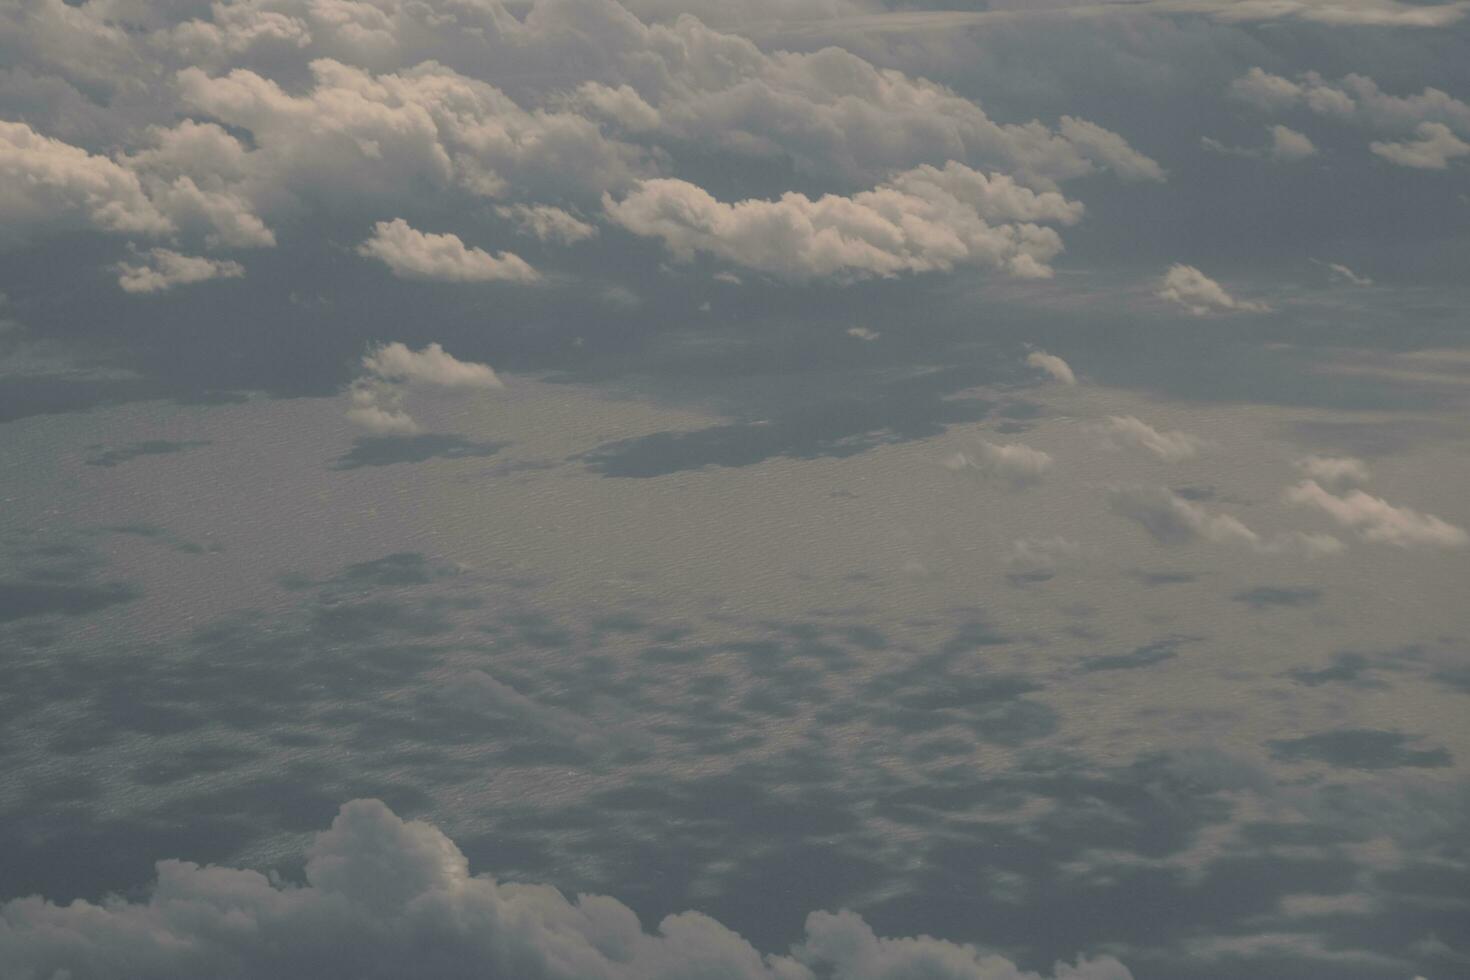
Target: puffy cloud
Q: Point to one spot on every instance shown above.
(1336, 472)
(1435, 119)
(1019, 465)
(47, 183)
(1433, 147)
(433, 365)
(922, 220)
(376, 397)
(166, 269)
(385, 137)
(1172, 520)
(1289, 146)
(1286, 146)
(1201, 295)
(385, 896)
(1128, 430)
(1059, 369)
(413, 254)
(863, 333)
(1375, 519)
(548, 223)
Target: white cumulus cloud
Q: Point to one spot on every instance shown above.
(376, 397)
(1375, 519)
(414, 254)
(165, 269)
(923, 220)
(1201, 295)
(387, 897)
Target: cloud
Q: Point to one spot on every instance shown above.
(1432, 149)
(1435, 119)
(1201, 295)
(413, 254)
(1289, 146)
(166, 269)
(1019, 465)
(1059, 369)
(1286, 146)
(863, 333)
(1172, 520)
(1375, 519)
(376, 397)
(1355, 97)
(923, 220)
(1336, 472)
(1338, 272)
(1127, 430)
(384, 896)
(547, 223)
(47, 183)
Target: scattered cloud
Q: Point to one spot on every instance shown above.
(1173, 520)
(1128, 430)
(548, 223)
(1019, 465)
(1337, 272)
(1201, 295)
(165, 269)
(1059, 369)
(923, 220)
(863, 333)
(1375, 519)
(1433, 147)
(1286, 146)
(377, 395)
(413, 254)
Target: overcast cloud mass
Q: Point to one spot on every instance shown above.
(783, 489)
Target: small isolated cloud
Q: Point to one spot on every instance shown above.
(863, 333)
(1337, 272)
(1286, 146)
(928, 219)
(164, 269)
(1336, 472)
(1289, 146)
(1173, 520)
(1375, 519)
(549, 224)
(1059, 369)
(1201, 295)
(1127, 430)
(413, 254)
(377, 395)
(1020, 466)
(1433, 147)
(384, 896)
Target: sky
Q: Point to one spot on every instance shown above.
(743, 490)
